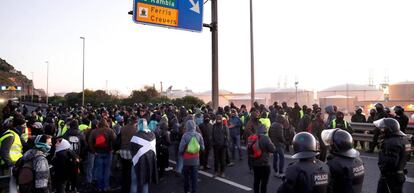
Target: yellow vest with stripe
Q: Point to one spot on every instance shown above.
(16, 148)
(334, 124)
(83, 127)
(301, 114)
(242, 120)
(25, 135)
(63, 130)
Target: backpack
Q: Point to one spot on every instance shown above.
(101, 141)
(253, 147)
(193, 146)
(74, 161)
(75, 144)
(24, 174)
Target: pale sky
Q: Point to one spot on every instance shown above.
(320, 43)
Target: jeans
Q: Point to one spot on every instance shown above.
(134, 185)
(261, 177)
(90, 172)
(235, 144)
(279, 156)
(190, 177)
(179, 166)
(103, 163)
(133, 180)
(126, 175)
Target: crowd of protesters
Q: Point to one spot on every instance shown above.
(68, 143)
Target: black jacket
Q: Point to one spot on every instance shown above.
(276, 134)
(393, 155)
(347, 174)
(81, 136)
(146, 166)
(206, 132)
(306, 176)
(220, 136)
(65, 165)
(358, 118)
(403, 120)
(267, 147)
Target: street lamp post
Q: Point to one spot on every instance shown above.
(252, 86)
(47, 83)
(83, 73)
(296, 90)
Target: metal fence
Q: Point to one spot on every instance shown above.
(364, 131)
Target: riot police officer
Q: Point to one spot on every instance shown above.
(393, 156)
(307, 174)
(401, 118)
(346, 168)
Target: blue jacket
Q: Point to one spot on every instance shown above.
(235, 131)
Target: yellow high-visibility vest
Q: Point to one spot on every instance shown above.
(16, 150)
(25, 135)
(334, 124)
(301, 114)
(83, 127)
(266, 122)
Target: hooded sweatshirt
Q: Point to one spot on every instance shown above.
(64, 162)
(190, 159)
(331, 114)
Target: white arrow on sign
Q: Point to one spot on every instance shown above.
(196, 6)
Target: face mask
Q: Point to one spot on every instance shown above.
(43, 147)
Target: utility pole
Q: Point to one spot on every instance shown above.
(106, 87)
(214, 41)
(296, 90)
(252, 89)
(83, 73)
(214, 32)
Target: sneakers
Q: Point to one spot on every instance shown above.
(280, 175)
(230, 164)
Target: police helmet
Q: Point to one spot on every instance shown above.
(390, 126)
(341, 142)
(304, 145)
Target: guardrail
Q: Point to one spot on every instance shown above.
(366, 128)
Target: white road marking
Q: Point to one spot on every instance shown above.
(229, 182)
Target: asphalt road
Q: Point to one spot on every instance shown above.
(239, 180)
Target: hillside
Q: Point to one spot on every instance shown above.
(9, 76)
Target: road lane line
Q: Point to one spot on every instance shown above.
(229, 182)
